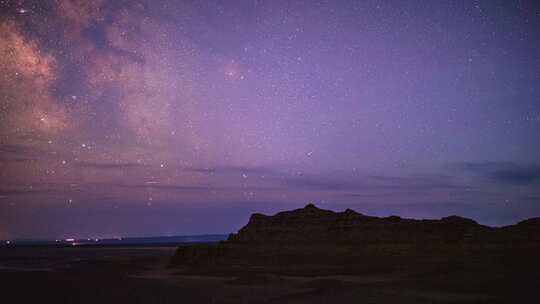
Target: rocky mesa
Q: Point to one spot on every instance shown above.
(317, 241)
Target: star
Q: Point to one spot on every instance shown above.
(97, 99)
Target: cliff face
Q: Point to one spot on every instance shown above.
(311, 239)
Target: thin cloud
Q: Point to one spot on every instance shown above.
(508, 173)
(108, 166)
(18, 152)
(235, 170)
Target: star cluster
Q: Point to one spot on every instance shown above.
(177, 117)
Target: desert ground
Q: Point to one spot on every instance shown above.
(140, 275)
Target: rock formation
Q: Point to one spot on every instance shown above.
(316, 241)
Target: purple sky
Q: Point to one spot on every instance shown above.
(137, 118)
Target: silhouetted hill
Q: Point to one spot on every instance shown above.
(318, 241)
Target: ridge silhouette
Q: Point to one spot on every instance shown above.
(314, 240)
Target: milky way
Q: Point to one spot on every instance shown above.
(177, 117)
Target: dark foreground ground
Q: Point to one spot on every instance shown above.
(139, 275)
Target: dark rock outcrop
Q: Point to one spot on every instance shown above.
(316, 241)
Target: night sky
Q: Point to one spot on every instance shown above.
(140, 118)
